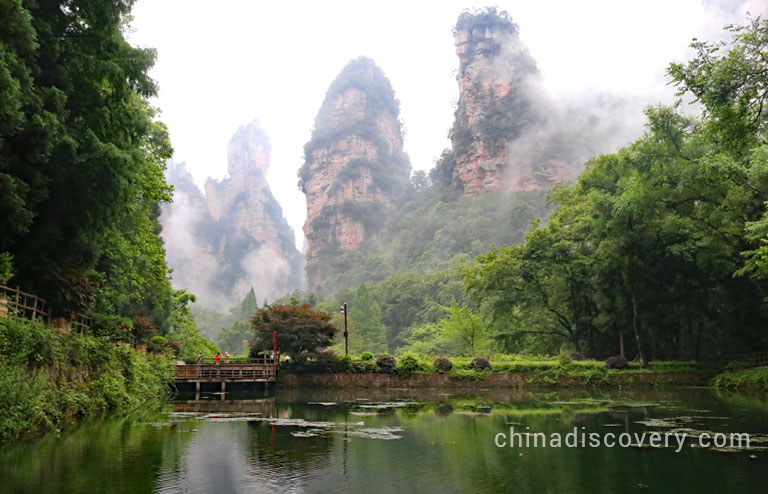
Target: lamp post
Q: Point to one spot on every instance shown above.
(346, 333)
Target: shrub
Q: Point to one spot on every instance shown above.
(408, 364)
(366, 367)
(480, 363)
(386, 363)
(443, 365)
(617, 362)
(174, 346)
(318, 363)
(564, 360)
(143, 328)
(738, 365)
(366, 356)
(111, 326)
(158, 344)
(574, 355)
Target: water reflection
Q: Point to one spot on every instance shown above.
(389, 440)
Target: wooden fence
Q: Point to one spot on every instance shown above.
(248, 372)
(759, 359)
(15, 303)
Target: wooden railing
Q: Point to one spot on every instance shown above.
(16, 303)
(250, 372)
(759, 359)
(22, 304)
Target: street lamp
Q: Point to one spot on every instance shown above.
(346, 333)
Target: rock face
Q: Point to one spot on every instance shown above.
(498, 105)
(234, 237)
(244, 202)
(354, 166)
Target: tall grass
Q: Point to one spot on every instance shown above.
(49, 379)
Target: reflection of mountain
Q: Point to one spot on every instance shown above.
(235, 237)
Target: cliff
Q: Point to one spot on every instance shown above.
(499, 104)
(243, 202)
(234, 237)
(354, 167)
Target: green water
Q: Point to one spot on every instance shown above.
(398, 441)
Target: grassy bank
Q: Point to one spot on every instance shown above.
(535, 371)
(49, 379)
(742, 379)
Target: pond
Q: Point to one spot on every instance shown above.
(371, 441)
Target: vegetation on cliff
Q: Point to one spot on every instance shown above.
(380, 98)
(81, 161)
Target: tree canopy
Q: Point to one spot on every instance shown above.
(663, 241)
(299, 328)
(81, 159)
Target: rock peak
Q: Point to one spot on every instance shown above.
(248, 151)
(354, 166)
(498, 101)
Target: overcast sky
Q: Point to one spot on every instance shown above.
(222, 64)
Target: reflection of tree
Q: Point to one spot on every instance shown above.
(100, 456)
(274, 446)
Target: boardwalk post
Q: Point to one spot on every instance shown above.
(346, 332)
(255, 371)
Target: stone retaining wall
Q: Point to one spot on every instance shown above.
(628, 379)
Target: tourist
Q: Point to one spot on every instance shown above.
(226, 357)
(199, 358)
(217, 358)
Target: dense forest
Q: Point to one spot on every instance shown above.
(82, 157)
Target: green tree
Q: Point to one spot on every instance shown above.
(729, 79)
(365, 320)
(465, 328)
(184, 330)
(81, 159)
(234, 338)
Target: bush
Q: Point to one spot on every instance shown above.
(386, 363)
(574, 355)
(367, 367)
(111, 326)
(564, 360)
(408, 364)
(158, 344)
(6, 267)
(738, 365)
(174, 346)
(743, 379)
(318, 363)
(443, 365)
(617, 362)
(143, 328)
(366, 356)
(480, 363)
(49, 378)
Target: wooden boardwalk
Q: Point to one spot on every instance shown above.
(247, 372)
(254, 371)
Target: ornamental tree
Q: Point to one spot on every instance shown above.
(299, 328)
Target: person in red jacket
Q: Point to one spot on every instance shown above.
(217, 358)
